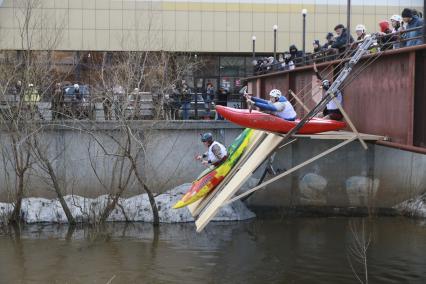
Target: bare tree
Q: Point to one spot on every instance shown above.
(357, 251)
(26, 80)
(41, 155)
(147, 72)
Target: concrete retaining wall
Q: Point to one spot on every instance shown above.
(349, 177)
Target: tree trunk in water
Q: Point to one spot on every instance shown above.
(15, 217)
(108, 209)
(64, 205)
(156, 217)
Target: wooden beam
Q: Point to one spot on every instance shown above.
(339, 135)
(269, 144)
(299, 100)
(349, 121)
(291, 170)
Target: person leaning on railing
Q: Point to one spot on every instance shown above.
(396, 22)
(342, 38)
(386, 37)
(413, 21)
(361, 33)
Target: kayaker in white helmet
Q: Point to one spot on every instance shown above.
(277, 105)
(216, 153)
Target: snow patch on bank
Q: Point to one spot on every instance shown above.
(415, 207)
(136, 208)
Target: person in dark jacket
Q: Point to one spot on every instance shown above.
(342, 38)
(413, 21)
(295, 53)
(330, 41)
(186, 97)
(222, 100)
(316, 45)
(57, 102)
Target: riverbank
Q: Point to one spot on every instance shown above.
(133, 209)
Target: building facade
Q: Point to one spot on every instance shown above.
(219, 31)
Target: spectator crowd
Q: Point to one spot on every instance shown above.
(398, 31)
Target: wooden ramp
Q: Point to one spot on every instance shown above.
(262, 147)
(247, 167)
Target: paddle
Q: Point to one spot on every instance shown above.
(246, 95)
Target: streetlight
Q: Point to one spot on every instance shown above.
(90, 67)
(275, 28)
(348, 21)
(253, 38)
(304, 12)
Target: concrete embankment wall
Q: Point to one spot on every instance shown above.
(349, 177)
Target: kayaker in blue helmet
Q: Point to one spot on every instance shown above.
(216, 153)
(277, 105)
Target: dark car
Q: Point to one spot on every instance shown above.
(78, 104)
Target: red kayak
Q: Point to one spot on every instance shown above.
(268, 122)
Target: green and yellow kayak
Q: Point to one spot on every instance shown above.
(206, 183)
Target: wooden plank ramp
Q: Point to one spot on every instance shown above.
(340, 135)
(247, 167)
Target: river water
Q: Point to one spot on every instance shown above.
(288, 250)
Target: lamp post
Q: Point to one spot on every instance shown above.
(275, 28)
(90, 67)
(348, 21)
(304, 12)
(424, 22)
(253, 39)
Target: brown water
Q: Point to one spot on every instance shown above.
(294, 250)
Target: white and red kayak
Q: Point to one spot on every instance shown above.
(263, 121)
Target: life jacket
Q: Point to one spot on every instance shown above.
(332, 105)
(31, 97)
(211, 156)
(285, 109)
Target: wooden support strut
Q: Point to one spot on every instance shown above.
(344, 113)
(349, 121)
(299, 100)
(260, 186)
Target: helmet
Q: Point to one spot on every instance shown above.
(326, 84)
(30, 85)
(396, 18)
(275, 93)
(360, 28)
(76, 86)
(206, 137)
